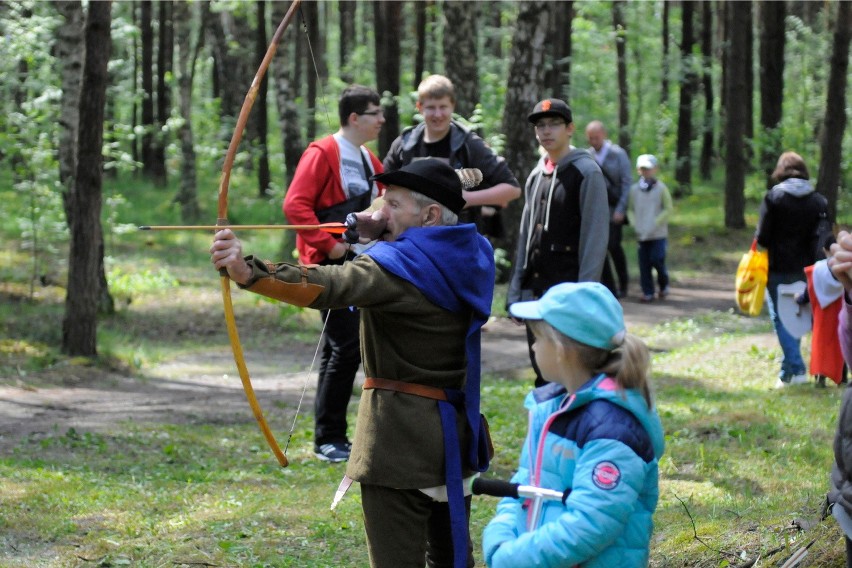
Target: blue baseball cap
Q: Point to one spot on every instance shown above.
(584, 311)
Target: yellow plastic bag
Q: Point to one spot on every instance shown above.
(752, 274)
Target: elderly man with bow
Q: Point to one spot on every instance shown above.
(424, 291)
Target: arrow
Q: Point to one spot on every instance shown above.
(334, 228)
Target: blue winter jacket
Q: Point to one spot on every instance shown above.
(603, 443)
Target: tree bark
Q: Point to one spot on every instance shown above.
(620, 27)
(707, 144)
(348, 11)
(69, 52)
(286, 91)
(461, 58)
(261, 116)
(748, 53)
(311, 14)
(283, 70)
(493, 39)
(165, 66)
(683, 166)
(724, 15)
(134, 112)
(664, 83)
(79, 326)
(187, 196)
(388, 16)
(735, 127)
(772, 39)
(527, 70)
(147, 37)
(431, 44)
(834, 125)
(559, 70)
(420, 50)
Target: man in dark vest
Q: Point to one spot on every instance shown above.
(565, 223)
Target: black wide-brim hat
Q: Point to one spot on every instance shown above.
(431, 177)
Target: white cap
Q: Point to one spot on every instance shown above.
(646, 162)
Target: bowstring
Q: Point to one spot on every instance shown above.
(328, 316)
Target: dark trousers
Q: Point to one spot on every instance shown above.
(617, 260)
(407, 529)
(652, 256)
(341, 355)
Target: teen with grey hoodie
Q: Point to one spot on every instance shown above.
(565, 223)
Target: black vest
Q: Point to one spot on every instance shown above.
(553, 255)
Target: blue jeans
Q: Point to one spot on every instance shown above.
(652, 255)
(791, 362)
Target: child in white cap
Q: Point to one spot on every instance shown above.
(593, 430)
(650, 205)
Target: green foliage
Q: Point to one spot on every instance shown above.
(127, 284)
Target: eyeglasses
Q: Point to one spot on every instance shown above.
(373, 113)
(545, 125)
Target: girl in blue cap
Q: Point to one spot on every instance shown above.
(593, 430)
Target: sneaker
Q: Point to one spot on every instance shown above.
(663, 294)
(335, 452)
(782, 383)
(646, 299)
(800, 379)
(820, 381)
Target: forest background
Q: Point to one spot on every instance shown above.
(119, 114)
(700, 84)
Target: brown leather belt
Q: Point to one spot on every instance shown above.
(408, 388)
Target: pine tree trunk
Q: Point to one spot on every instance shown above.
(683, 167)
(664, 83)
(261, 116)
(772, 39)
(749, 101)
(79, 326)
(187, 195)
(420, 50)
(735, 127)
(527, 70)
(284, 68)
(620, 27)
(559, 39)
(722, 21)
(461, 59)
(147, 37)
(493, 40)
(348, 11)
(707, 144)
(834, 125)
(134, 112)
(69, 53)
(311, 14)
(165, 66)
(388, 17)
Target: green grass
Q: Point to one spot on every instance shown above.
(742, 460)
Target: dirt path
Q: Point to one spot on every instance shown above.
(197, 390)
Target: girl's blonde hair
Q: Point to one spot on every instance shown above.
(629, 364)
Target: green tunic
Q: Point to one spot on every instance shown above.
(398, 437)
